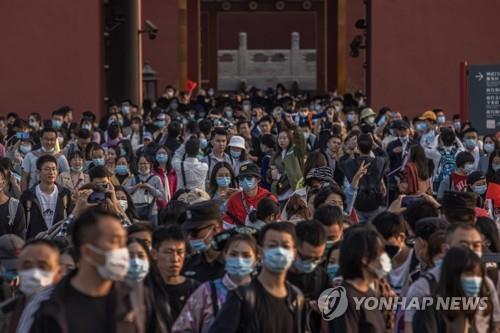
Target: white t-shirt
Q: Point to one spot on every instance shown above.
(48, 204)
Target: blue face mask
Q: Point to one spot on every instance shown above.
(421, 126)
(489, 148)
(138, 269)
(198, 245)
(471, 285)
(161, 157)
(441, 119)
(495, 167)
(223, 181)
(159, 123)
(248, 184)
(235, 154)
(203, 143)
(469, 168)
(24, 149)
(239, 267)
(56, 124)
(438, 262)
(351, 118)
(125, 109)
(87, 127)
(121, 170)
(480, 189)
(457, 125)
(229, 114)
(99, 162)
(277, 259)
(332, 270)
(470, 143)
(304, 266)
(123, 152)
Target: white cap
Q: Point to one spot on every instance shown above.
(237, 142)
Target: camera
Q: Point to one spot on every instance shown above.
(151, 29)
(99, 195)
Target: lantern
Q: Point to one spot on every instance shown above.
(149, 82)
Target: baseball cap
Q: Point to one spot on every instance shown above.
(400, 124)
(10, 247)
(249, 169)
(428, 115)
(201, 214)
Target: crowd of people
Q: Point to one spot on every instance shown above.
(207, 212)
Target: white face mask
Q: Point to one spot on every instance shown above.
(117, 263)
(123, 204)
(34, 280)
(385, 266)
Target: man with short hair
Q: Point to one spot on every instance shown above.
(94, 292)
(306, 273)
(459, 207)
(38, 269)
(84, 137)
(269, 303)
(142, 231)
(219, 144)
(10, 247)
(332, 219)
(47, 202)
(48, 138)
(169, 252)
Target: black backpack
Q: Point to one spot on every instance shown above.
(369, 197)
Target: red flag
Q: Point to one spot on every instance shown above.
(191, 85)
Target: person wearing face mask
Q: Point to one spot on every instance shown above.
(139, 261)
(201, 225)
(242, 203)
(98, 155)
(397, 151)
(457, 180)
(351, 118)
(240, 254)
(393, 230)
(494, 168)
(490, 145)
(472, 144)
(12, 218)
(331, 219)
(100, 242)
(462, 275)
(75, 178)
(162, 167)
(269, 303)
(363, 265)
(368, 116)
(238, 152)
(29, 177)
(169, 252)
(222, 184)
(476, 183)
(425, 128)
(127, 205)
(306, 273)
(146, 188)
(38, 269)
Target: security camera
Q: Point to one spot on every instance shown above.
(151, 29)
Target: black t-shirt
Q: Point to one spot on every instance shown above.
(19, 223)
(273, 312)
(95, 318)
(198, 268)
(178, 295)
(312, 285)
(358, 321)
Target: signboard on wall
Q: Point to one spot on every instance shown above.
(483, 100)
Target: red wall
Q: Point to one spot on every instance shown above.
(162, 51)
(51, 56)
(417, 47)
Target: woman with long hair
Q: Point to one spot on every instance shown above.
(462, 276)
(490, 145)
(416, 175)
(222, 184)
(163, 169)
(493, 174)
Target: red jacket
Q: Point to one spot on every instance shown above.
(237, 211)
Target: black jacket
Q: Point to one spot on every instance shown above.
(238, 312)
(128, 305)
(33, 211)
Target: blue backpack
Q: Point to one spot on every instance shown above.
(447, 164)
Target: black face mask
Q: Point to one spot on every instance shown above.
(391, 250)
